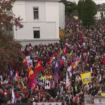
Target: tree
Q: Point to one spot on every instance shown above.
(9, 49)
(69, 7)
(80, 8)
(89, 12)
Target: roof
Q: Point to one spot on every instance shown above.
(42, 0)
(101, 8)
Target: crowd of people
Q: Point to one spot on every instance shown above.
(84, 43)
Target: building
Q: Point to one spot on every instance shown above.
(40, 21)
(61, 15)
(100, 12)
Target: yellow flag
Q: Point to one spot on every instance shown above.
(86, 78)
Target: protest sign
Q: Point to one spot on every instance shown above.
(47, 84)
(86, 78)
(27, 58)
(41, 81)
(30, 62)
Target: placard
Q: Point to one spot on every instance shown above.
(30, 62)
(47, 84)
(27, 58)
(99, 102)
(41, 81)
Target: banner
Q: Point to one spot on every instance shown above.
(47, 103)
(94, 100)
(47, 84)
(100, 101)
(86, 78)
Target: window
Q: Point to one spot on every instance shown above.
(36, 32)
(36, 13)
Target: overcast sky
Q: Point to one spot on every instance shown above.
(96, 1)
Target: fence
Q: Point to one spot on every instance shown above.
(97, 100)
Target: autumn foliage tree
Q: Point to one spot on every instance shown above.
(10, 54)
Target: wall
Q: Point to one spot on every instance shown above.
(29, 9)
(19, 9)
(61, 15)
(52, 14)
(47, 30)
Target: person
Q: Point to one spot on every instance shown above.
(19, 100)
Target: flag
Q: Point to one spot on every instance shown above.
(104, 60)
(53, 63)
(71, 53)
(16, 78)
(67, 81)
(11, 75)
(22, 86)
(38, 66)
(13, 97)
(61, 62)
(86, 59)
(57, 67)
(55, 78)
(74, 66)
(25, 61)
(61, 51)
(29, 83)
(33, 85)
(31, 74)
(90, 101)
(50, 61)
(65, 51)
(36, 82)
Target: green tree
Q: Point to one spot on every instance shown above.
(80, 8)
(89, 12)
(69, 6)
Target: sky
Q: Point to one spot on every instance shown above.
(96, 1)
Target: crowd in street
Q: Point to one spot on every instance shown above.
(86, 44)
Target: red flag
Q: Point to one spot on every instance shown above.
(61, 62)
(33, 85)
(16, 78)
(65, 51)
(29, 84)
(104, 60)
(31, 74)
(25, 61)
(86, 59)
(50, 61)
(38, 66)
